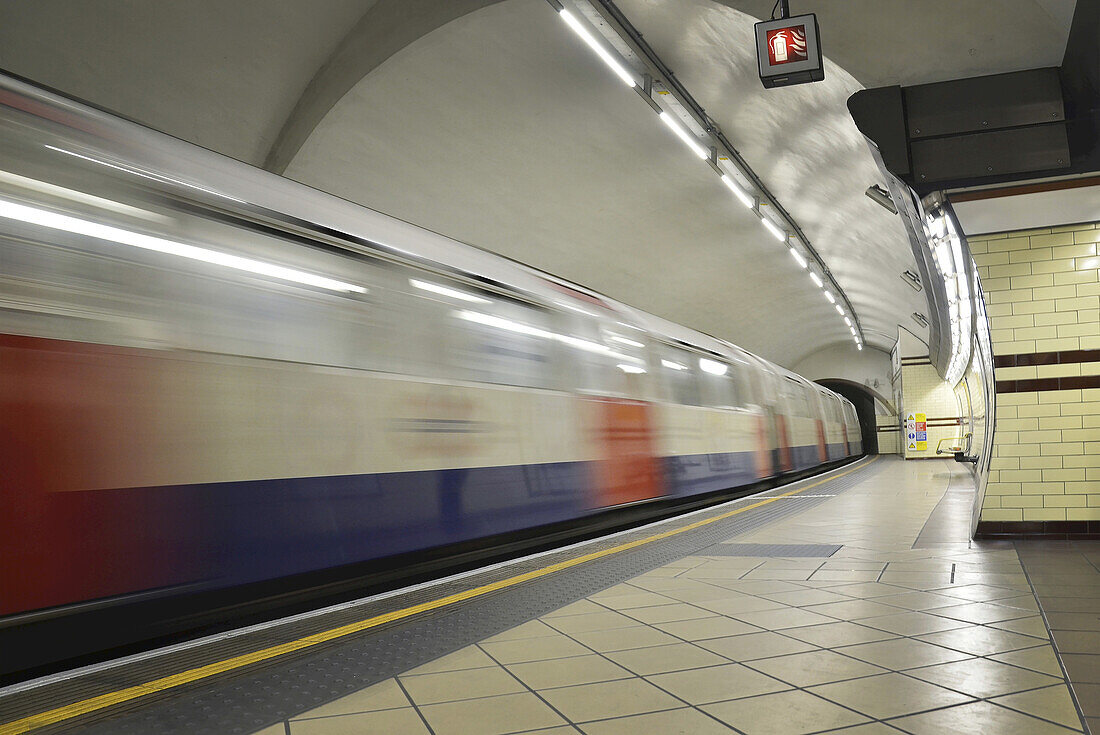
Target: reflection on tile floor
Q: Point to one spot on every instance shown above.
(877, 638)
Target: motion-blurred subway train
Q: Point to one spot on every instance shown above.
(213, 378)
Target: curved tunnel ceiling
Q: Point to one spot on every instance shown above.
(499, 128)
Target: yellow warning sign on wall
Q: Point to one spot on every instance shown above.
(916, 432)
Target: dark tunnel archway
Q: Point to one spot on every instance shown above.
(864, 401)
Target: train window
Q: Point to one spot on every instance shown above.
(492, 339)
(720, 389)
(679, 376)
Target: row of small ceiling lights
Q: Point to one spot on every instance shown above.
(692, 142)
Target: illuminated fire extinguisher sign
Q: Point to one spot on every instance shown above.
(789, 51)
(786, 45)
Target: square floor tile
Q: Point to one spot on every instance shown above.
(911, 623)
(1076, 641)
(841, 633)
(865, 590)
(790, 617)
(732, 603)
(754, 646)
(981, 612)
(840, 575)
(609, 699)
(854, 609)
(404, 721)
(976, 717)
(669, 613)
(717, 683)
(1040, 658)
(716, 627)
(1082, 667)
(534, 649)
(641, 599)
(679, 721)
(783, 713)
(1033, 626)
(815, 667)
(902, 653)
(383, 695)
(982, 678)
(560, 672)
(978, 592)
(621, 639)
(659, 659)
(889, 695)
(800, 598)
(1053, 703)
(489, 716)
(448, 686)
(530, 629)
(591, 621)
(979, 640)
(918, 600)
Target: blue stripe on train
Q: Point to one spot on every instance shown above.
(805, 457)
(263, 529)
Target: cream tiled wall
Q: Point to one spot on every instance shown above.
(924, 391)
(1043, 295)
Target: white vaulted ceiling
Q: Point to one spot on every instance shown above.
(491, 123)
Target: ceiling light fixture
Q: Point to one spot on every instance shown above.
(611, 61)
(773, 228)
(816, 279)
(738, 191)
(830, 297)
(799, 259)
(670, 120)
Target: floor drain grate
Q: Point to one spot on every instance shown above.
(778, 550)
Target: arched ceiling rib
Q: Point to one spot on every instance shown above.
(386, 28)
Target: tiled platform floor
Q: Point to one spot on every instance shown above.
(880, 637)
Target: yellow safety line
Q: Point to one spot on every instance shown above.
(93, 704)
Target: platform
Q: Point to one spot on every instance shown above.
(852, 602)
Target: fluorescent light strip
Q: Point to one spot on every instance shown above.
(146, 175)
(816, 279)
(838, 309)
(673, 365)
(625, 341)
(799, 259)
(738, 191)
(444, 291)
(80, 197)
(712, 367)
(632, 369)
(830, 297)
(773, 228)
(859, 346)
(670, 120)
(65, 223)
(848, 322)
(611, 61)
(521, 328)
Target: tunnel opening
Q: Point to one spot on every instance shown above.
(864, 401)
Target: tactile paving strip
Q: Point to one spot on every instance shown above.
(243, 702)
(771, 550)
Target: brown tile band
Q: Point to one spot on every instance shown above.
(1041, 384)
(1065, 357)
